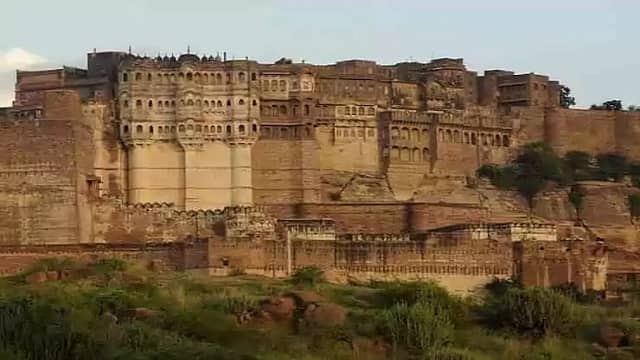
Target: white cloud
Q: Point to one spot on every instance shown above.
(10, 61)
(18, 58)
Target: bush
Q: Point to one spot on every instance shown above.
(499, 287)
(419, 327)
(634, 205)
(532, 311)
(612, 166)
(429, 293)
(108, 266)
(309, 276)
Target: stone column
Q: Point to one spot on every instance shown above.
(241, 180)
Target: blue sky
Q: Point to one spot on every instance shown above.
(593, 46)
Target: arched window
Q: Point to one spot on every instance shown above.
(206, 78)
(415, 134)
(139, 128)
(361, 111)
(405, 154)
(189, 76)
(395, 153)
(283, 85)
(228, 78)
(181, 76)
(190, 102)
(228, 129)
(254, 76)
(181, 128)
(241, 102)
(416, 155)
(294, 110)
(173, 129)
(173, 77)
(166, 103)
(241, 129)
(206, 127)
(173, 103)
(395, 133)
(190, 127)
(307, 111)
(449, 136)
(456, 136)
(425, 154)
(283, 110)
(219, 129)
(241, 77)
(149, 77)
(125, 129)
(254, 128)
(307, 132)
(219, 103)
(283, 132)
(473, 139)
(265, 85)
(125, 77)
(138, 76)
(198, 128)
(347, 110)
(198, 102)
(160, 103)
(254, 102)
(206, 103)
(228, 102)
(505, 140)
(197, 77)
(498, 142)
(371, 111)
(125, 103)
(274, 85)
(150, 104)
(218, 78)
(150, 129)
(138, 103)
(405, 134)
(160, 129)
(466, 137)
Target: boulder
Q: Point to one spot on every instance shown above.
(36, 278)
(143, 313)
(279, 307)
(52, 275)
(325, 314)
(610, 336)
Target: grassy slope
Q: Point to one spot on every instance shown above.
(197, 322)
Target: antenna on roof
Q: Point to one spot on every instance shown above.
(129, 49)
(188, 49)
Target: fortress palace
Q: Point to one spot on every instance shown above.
(365, 170)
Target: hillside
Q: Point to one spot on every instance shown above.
(114, 310)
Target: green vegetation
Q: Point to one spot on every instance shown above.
(536, 166)
(611, 105)
(634, 205)
(566, 100)
(115, 310)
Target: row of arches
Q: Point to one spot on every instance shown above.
(277, 85)
(217, 78)
(240, 129)
(355, 132)
(409, 134)
(472, 138)
(359, 110)
(283, 110)
(410, 154)
(188, 102)
(285, 132)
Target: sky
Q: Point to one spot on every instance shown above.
(592, 46)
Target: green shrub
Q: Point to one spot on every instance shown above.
(309, 276)
(612, 166)
(532, 311)
(419, 327)
(108, 266)
(499, 287)
(576, 197)
(634, 205)
(429, 293)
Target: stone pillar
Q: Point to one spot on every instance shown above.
(135, 159)
(241, 181)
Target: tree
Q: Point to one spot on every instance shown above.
(576, 197)
(566, 100)
(578, 163)
(611, 105)
(612, 166)
(633, 108)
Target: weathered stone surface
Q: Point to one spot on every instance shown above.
(325, 314)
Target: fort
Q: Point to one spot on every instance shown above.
(366, 170)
